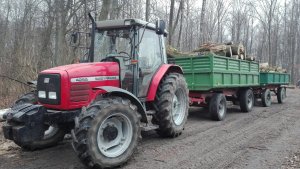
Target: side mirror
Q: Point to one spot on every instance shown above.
(74, 37)
(160, 27)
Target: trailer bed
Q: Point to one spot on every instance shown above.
(274, 78)
(210, 72)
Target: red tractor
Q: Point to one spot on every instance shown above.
(124, 86)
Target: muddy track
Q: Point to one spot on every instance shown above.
(263, 138)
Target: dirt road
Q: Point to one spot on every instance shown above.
(264, 138)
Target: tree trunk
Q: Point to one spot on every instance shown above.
(171, 21)
(147, 10)
(202, 21)
(104, 10)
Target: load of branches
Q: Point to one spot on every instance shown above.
(174, 53)
(264, 67)
(237, 51)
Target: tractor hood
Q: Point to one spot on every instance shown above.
(86, 69)
(72, 86)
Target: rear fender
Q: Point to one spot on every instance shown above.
(115, 91)
(162, 71)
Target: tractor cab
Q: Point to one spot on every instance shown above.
(137, 46)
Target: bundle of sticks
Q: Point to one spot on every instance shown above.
(173, 53)
(264, 67)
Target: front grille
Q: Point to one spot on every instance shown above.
(79, 92)
(49, 83)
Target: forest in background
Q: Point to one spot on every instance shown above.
(35, 33)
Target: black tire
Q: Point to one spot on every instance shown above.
(246, 99)
(53, 135)
(172, 92)
(266, 98)
(218, 107)
(281, 95)
(89, 123)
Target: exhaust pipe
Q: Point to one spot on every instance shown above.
(3, 113)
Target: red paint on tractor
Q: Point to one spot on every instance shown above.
(165, 68)
(75, 95)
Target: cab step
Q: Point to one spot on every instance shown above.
(149, 126)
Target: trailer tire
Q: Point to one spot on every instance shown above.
(266, 98)
(107, 134)
(171, 104)
(281, 94)
(246, 98)
(218, 107)
(53, 134)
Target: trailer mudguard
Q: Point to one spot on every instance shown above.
(115, 91)
(162, 71)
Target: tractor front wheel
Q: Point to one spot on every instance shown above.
(107, 134)
(172, 105)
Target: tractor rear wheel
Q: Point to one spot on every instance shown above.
(171, 103)
(53, 134)
(107, 134)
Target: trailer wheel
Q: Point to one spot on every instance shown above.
(281, 94)
(172, 105)
(246, 98)
(218, 107)
(107, 134)
(266, 98)
(53, 134)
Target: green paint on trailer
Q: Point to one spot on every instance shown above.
(267, 78)
(211, 72)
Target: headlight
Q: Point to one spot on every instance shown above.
(42, 94)
(52, 95)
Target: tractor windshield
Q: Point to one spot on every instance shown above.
(112, 42)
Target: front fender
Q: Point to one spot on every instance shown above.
(162, 71)
(115, 91)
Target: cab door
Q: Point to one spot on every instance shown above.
(150, 59)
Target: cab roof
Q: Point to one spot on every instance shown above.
(123, 23)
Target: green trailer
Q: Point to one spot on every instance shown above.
(213, 80)
(275, 78)
(212, 72)
(272, 82)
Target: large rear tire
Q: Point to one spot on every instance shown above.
(218, 107)
(266, 98)
(246, 98)
(53, 134)
(171, 103)
(107, 134)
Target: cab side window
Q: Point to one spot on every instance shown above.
(149, 51)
